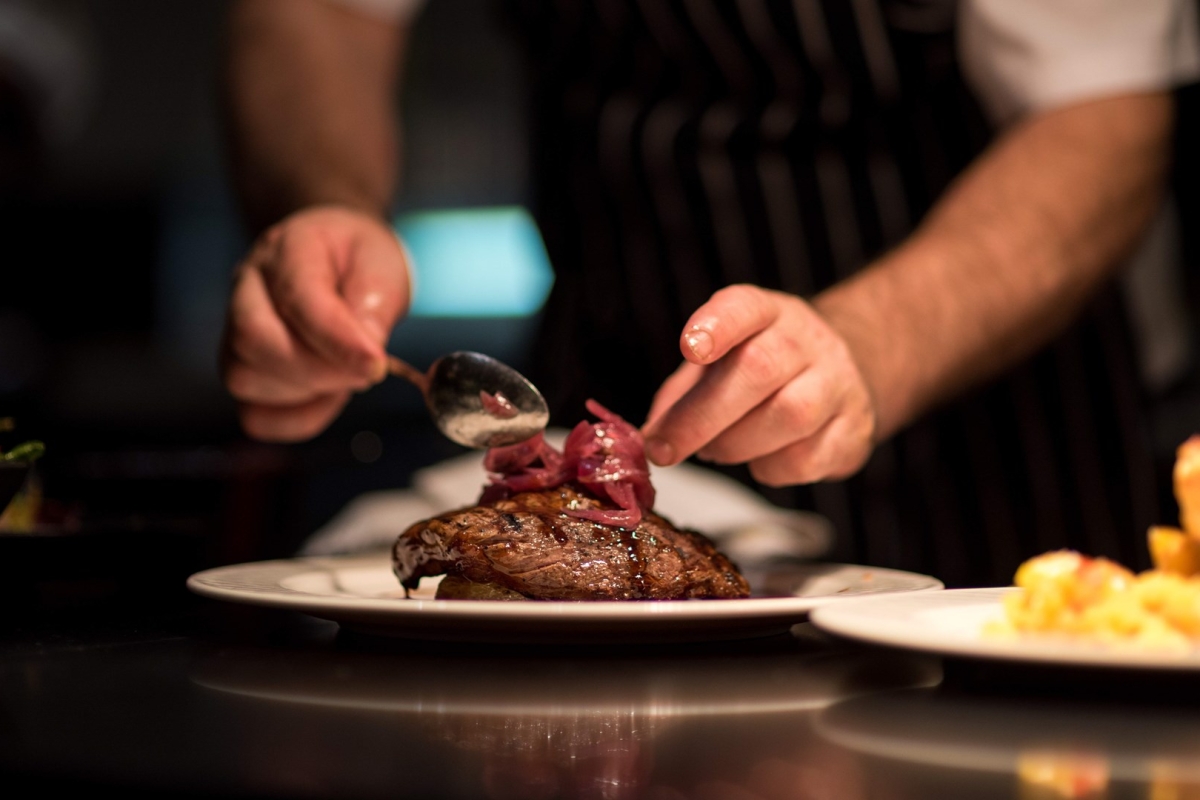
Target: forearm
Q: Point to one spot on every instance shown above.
(1008, 256)
(310, 104)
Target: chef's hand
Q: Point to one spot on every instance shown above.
(766, 381)
(312, 306)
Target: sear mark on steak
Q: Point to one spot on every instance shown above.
(529, 545)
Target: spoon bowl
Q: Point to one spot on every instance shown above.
(478, 401)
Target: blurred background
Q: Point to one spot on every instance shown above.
(120, 233)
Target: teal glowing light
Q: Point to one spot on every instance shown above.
(487, 262)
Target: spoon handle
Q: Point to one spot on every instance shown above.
(410, 373)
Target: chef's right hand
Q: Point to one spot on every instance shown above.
(312, 306)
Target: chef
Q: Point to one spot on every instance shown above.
(842, 215)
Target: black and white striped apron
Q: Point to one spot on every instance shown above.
(684, 145)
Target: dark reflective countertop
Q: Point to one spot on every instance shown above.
(214, 700)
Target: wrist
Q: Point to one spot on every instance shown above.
(286, 203)
(353, 202)
(851, 310)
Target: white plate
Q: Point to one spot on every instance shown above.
(361, 592)
(951, 623)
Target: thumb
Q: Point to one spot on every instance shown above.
(376, 285)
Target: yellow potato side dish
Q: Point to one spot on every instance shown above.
(1187, 484)
(1097, 600)
(1065, 593)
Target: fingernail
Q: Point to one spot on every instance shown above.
(700, 342)
(660, 452)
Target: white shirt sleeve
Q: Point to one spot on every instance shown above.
(1022, 56)
(389, 10)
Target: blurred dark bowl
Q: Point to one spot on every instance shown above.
(12, 476)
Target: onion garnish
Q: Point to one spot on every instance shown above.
(606, 457)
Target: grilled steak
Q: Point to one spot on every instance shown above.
(527, 545)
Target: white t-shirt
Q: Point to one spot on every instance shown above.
(1022, 56)
(1029, 55)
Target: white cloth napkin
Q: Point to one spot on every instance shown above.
(747, 527)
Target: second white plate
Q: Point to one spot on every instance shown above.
(951, 623)
(362, 593)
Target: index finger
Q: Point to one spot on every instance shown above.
(260, 351)
(731, 316)
(673, 388)
(305, 287)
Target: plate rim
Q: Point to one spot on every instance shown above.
(608, 611)
(849, 621)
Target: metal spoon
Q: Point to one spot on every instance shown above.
(458, 386)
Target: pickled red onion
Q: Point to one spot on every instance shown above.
(605, 457)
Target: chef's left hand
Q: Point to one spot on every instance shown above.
(766, 381)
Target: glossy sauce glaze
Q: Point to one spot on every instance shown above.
(529, 544)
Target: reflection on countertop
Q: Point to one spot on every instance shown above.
(617, 723)
(233, 702)
(1044, 746)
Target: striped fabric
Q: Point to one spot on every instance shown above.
(683, 145)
